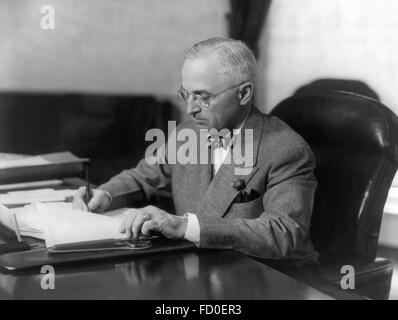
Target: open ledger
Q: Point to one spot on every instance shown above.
(58, 223)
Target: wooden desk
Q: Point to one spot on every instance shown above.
(207, 274)
(197, 274)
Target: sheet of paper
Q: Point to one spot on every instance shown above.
(38, 195)
(31, 184)
(6, 199)
(6, 217)
(30, 193)
(26, 162)
(28, 222)
(64, 225)
(61, 157)
(44, 159)
(5, 156)
(118, 213)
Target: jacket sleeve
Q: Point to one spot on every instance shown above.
(282, 229)
(153, 178)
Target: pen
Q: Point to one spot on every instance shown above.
(17, 228)
(13, 246)
(88, 191)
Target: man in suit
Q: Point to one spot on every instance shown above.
(264, 211)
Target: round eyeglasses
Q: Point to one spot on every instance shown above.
(204, 102)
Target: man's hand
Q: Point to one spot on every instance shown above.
(99, 201)
(150, 218)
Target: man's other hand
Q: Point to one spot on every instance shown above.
(150, 218)
(99, 201)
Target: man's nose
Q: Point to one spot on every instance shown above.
(192, 106)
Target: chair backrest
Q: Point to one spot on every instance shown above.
(355, 142)
(349, 85)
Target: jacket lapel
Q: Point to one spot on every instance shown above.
(199, 173)
(220, 193)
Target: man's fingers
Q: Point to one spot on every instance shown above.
(126, 225)
(79, 204)
(81, 191)
(122, 228)
(96, 200)
(100, 201)
(138, 222)
(149, 226)
(78, 200)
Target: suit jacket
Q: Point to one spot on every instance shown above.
(275, 225)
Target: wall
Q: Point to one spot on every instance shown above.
(123, 46)
(345, 39)
(312, 39)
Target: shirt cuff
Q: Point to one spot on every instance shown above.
(192, 233)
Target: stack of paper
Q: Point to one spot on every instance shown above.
(58, 223)
(4, 156)
(46, 166)
(39, 195)
(31, 184)
(44, 159)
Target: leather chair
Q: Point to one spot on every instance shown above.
(355, 142)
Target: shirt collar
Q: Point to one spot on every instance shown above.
(219, 141)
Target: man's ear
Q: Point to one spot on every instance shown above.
(245, 93)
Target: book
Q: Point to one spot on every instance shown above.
(58, 223)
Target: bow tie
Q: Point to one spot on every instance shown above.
(217, 141)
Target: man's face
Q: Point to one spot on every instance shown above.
(201, 76)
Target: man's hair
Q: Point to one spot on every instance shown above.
(237, 61)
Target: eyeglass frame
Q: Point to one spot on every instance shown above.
(206, 103)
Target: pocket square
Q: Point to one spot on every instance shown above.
(254, 195)
(244, 196)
